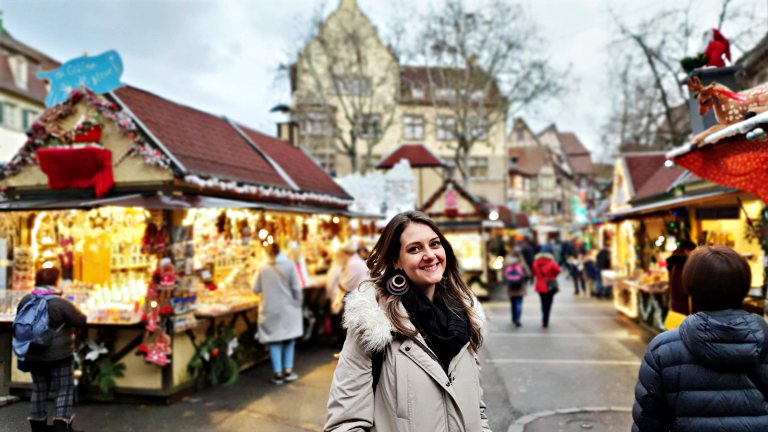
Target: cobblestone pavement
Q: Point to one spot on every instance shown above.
(577, 375)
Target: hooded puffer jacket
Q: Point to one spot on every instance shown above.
(710, 375)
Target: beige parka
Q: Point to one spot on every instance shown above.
(414, 393)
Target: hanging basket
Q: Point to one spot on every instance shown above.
(77, 168)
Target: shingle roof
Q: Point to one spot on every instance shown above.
(427, 78)
(209, 145)
(648, 174)
(297, 164)
(529, 159)
(203, 143)
(577, 155)
(418, 155)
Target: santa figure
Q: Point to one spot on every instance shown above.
(715, 46)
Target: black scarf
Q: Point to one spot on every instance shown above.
(445, 331)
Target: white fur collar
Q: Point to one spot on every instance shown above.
(363, 316)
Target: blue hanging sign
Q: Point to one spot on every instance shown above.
(101, 74)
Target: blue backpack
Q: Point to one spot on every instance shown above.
(30, 327)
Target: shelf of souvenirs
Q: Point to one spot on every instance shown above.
(654, 281)
(218, 301)
(118, 305)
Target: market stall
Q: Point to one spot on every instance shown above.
(160, 236)
(474, 229)
(647, 234)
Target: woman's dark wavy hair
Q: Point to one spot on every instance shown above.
(455, 293)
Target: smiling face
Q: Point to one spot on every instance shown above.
(422, 256)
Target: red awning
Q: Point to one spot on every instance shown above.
(418, 155)
(740, 163)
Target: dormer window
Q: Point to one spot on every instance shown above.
(19, 69)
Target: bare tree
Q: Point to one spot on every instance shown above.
(348, 94)
(482, 65)
(649, 109)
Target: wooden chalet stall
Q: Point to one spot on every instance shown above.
(159, 216)
(653, 208)
(468, 223)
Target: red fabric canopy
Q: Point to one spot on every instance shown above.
(77, 168)
(740, 164)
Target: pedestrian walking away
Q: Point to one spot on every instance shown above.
(49, 357)
(603, 263)
(545, 269)
(711, 374)
(280, 319)
(515, 275)
(410, 359)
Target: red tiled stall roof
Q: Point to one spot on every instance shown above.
(418, 155)
(297, 165)
(522, 221)
(205, 144)
(648, 174)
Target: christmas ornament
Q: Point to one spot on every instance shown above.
(730, 107)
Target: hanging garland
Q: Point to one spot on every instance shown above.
(46, 132)
(265, 191)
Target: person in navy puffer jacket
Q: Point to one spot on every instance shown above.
(711, 374)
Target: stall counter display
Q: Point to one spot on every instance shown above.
(109, 289)
(226, 258)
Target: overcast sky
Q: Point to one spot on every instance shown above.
(223, 56)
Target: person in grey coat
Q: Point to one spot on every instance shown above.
(280, 318)
(711, 374)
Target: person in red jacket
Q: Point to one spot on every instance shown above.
(545, 269)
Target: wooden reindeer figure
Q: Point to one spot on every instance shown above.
(730, 107)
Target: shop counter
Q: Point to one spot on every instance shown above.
(645, 302)
(147, 380)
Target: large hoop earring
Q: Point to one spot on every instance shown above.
(397, 285)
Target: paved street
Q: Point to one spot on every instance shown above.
(577, 375)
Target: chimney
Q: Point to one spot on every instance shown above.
(288, 131)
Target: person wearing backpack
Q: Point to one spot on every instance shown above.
(515, 275)
(409, 362)
(49, 353)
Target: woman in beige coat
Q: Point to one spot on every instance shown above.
(410, 359)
